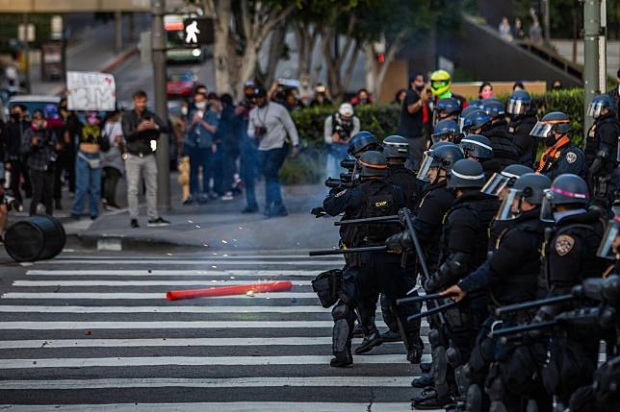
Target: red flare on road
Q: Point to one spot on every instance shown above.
(229, 290)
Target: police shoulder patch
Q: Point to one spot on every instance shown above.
(564, 244)
(571, 157)
(341, 193)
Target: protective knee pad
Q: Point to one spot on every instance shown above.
(462, 382)
(341, 311)
(473, 400)
(440, 365)
(434, 338)
(454, 357)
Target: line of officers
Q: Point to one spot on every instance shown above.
(492, 231)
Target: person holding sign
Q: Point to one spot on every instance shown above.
(141, 129)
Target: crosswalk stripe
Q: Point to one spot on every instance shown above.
(197, 262)
(86, 283)
(253, 406)
(126, 362)
(155, 296)
(163, 309)
(177, 272)
(165, 325)
(169, 342)
(250, 382)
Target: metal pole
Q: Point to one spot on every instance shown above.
(26, 54)
(161, 104)
(546, 22)
(602, 43)
(118, 39)
(591, 31)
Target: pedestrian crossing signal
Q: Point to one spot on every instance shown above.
(198, 31)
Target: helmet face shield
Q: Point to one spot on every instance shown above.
(516, 107)
(546, 210)
(595, 109)
(506, 210)
(541, 129)
(608, 248)
(496, 184)
(425, 166)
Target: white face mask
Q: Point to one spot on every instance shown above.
(184, 111)
(201, 105)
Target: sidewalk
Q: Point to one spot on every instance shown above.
(218, 225)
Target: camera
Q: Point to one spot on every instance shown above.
(260, 131)
(10, 202)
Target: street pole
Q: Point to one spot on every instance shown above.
(161, 104)
(546, 22)
(602, 42)
(26, 54)
(591, 55)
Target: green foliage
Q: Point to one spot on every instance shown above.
(308, 168)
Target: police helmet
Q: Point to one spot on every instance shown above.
(448, 106)
(442, 155)
(466, 111)
(608, 248)
(505, 179)
(531, 187)
(566, 189)
(600, 103)
(477, 119)
(519, 103)
(362, 141)
(373, 164)
(475, 104)
(440, 82)
(552, 122)
(395, 147)
(478, 146)
(466, 174)
(445, 130)
(494, 108)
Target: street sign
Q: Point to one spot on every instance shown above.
(198, 31)
(91, 91)
(26, 33)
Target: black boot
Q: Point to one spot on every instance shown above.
(423, 381)
(369, 342)
(391, 336)
(342, 359)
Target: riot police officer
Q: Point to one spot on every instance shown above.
(395, 149)
(369, 271)
(570, 256)
(511, 274)
(493, 126)
(362, 142)
(561, 156)
(479, 148)
(522, 113)
(446, 131)
(464, 242)
(446, 109)
(601, 151)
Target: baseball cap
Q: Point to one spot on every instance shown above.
(346, 110)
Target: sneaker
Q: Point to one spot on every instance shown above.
(250, 209)
(189, 200)
(159, 222)
(135, 224)
(228, 196)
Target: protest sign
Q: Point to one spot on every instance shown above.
(91, 91)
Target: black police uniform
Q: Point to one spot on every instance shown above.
(401, 176)
(512, 275)
(370, 271)
(527, 145)
(570, 257)
(568, 158)
(505, 151)
(464, 245)
(601, 152)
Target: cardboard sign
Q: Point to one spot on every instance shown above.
(91, 91)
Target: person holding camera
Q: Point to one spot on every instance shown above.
(270, 123)
(411, 124)
(141, 129)
(40, 145)
(338, 130)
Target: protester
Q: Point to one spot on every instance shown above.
(361, 98)
(321, 96)
(228, 135)
(17, 162)
(141, 129)
(505, 31)
(339, 128)
(485, 91)
(399, 97)
(67, 133)
(411, 125)
(113, 164)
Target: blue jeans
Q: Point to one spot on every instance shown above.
(271, 161)
(247, 169)
(87, 182)
(199, 157)
(336, 153)
(1, 170)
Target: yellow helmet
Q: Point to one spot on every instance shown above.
(440, 82)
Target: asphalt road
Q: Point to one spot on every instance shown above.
(93, 332)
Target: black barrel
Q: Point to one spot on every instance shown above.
(40, 237)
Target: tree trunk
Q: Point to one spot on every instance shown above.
(247, 66)
(278, 40)
(221, 55)
(301, 38)
(371, 70)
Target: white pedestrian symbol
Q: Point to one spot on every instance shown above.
(192, 31)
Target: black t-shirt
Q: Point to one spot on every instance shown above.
(410, 124)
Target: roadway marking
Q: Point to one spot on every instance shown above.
(168, 342)
(166, 325)
(125, 362)
(177, 272)
(222, 407)
(253, 382)
(193, 262)
(163, 309)
(154, 296)
(87, 283)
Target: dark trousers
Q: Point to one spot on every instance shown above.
(42, 190)
(199, 157)
(217, 170)
(248, 170)
(228, 168)
(111, 176)
(271, 162)
(64, 163)
(17, 171)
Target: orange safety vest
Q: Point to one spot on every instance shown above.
(551, 153)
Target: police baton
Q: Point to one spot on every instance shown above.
(431, 312)
(347, 251)
(423, 298)
(378, 219)
(533, 304)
